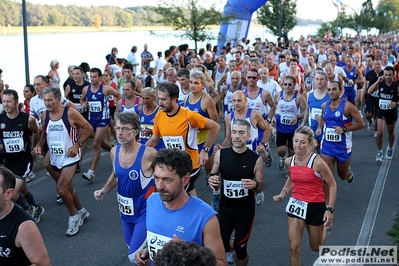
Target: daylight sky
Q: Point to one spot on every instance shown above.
(312, 9)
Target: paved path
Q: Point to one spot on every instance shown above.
(357, 219)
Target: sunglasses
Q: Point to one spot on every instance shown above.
(288, 84)
(332, 89)
(252, 77)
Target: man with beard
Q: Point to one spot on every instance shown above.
(172, 168)
(178, 128)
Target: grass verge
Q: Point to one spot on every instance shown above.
(394, 232)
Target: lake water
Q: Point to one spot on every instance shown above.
(74, 48)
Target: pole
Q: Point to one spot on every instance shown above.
(24, 23)
(279, 18)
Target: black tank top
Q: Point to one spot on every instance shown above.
(9, 253)
(76, 91)
(244, 164)
(15, 134)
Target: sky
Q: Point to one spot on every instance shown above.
(312, 9)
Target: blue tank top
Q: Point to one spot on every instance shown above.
(133, 188)
(332, 118)
(256, 138)
(147, 121)
(315, 110)
(197, 106)
(285, 112)
(187, 223)
(351, 76)
(98, 105)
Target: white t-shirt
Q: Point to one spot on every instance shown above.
(160, 65)
(132, 58)
(115, 70)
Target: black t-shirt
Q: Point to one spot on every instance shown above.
(386, 95)
(9, 253)
(372, 77)
(15, 135)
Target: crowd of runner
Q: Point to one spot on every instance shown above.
(159, 117)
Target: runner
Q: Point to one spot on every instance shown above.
(178, 128)
(337, 122)
(172, 169)
(21, 242)
(388, 98)
(133, 176)
(238, 183)
(16, 129)
(306, 206)
(60, 131)
(94, 98)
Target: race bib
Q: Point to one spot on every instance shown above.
(95, 106)
(297, 208)
(155, 242)
(384, 104)
(143, 133)
(174, 142)
(349, 84)
(286, 119)
(57, 148)
(14, 145)
(234, 189)
(332, 136)
(126, 206)
(315, 112)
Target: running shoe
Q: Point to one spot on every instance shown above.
(369, 127)
(375, 134)
(39, 210)
(231, 257)
(78, 168)
(59, 199)
(73, 226)
(31, 211)
(215, 201)
(328, 229)
(379, 156)
(389, 154)
(350, 177)
(82, 216)
(259, 198)
(280, 165)
(89, 176)
(30, 177)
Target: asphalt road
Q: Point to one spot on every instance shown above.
(365, 212)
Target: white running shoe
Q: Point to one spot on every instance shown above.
(89, 176)
(231, 257)
(30, 177)
(82, 216)
(73, 226)
(379, 156)
(259, 198)
(389, 154)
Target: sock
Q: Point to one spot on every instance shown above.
(30, 199)
(81, 210)
(21, 201)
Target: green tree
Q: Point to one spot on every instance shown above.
(125, 19)
(54, 17)
(189, 17)
(268, 15)
(96, 21)
(326, 26)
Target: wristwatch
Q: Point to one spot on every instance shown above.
(345, 129)
(332, 210)
(269, 120)
(79, 143)
(206, 149)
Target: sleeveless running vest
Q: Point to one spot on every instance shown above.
(98, 105)
(255, 139)
(197, 107)
(285, 112)
(60, 137)
(134, 188)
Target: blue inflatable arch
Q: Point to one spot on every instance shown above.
(237, 28)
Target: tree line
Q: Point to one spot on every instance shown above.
(73, 15)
